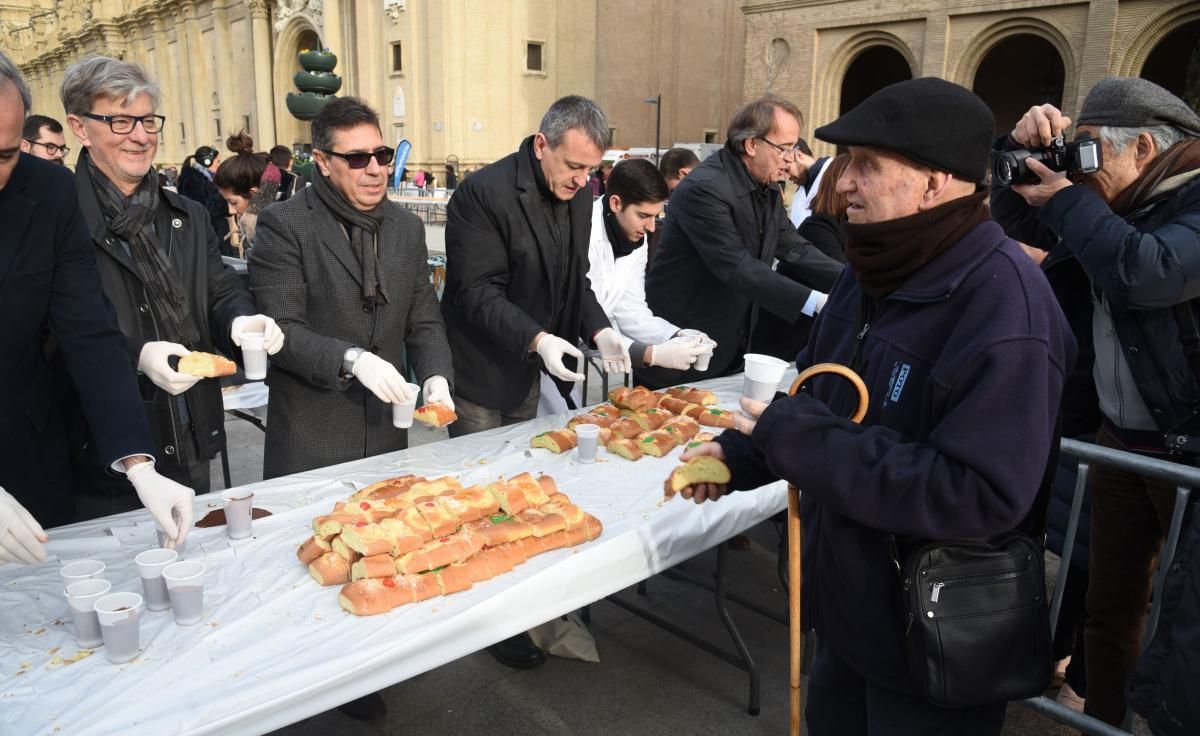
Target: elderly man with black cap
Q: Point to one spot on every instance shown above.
(1134, 227)
(963, 350)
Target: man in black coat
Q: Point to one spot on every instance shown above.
(159, 262)
(516, 271)
(49, 285)
(727, 226)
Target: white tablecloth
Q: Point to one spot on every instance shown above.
(274, 647)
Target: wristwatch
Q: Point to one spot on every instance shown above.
(348, 360)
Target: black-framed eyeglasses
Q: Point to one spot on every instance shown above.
(791, 150)
(360, 159)
(51, 148)
(122, 124)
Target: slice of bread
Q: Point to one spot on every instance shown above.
(206, 365)
(435, 415)
(703, 469)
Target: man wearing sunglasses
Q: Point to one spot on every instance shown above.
(345, 271)
(714, 267)
(158, 260)
(43, 137)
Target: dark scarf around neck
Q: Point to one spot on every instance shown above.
(621, 245)
(363, 229)
(885, 254)
(1180, 158)
(132, 220)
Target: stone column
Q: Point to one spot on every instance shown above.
(264, 95)
(332, 32)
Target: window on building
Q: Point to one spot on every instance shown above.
(182, 133)
(533, 56)
(246, 123)
(397, 58)
(612, 135)
(217, 124)
(710, 136)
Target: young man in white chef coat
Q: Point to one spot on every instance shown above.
(621, 220)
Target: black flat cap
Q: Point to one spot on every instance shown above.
(928, 120)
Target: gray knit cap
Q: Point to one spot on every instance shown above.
(1132, 102)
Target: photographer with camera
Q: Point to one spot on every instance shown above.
(1131, 218)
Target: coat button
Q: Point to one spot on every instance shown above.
(1133, 350)
(169, 449)
(144, 308)
(367, 307)
(177, 223)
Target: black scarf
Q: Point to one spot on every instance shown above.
(363, 229)
(621, 245)
(132, 220)
(884, 254)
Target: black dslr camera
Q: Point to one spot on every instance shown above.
(1080, 156)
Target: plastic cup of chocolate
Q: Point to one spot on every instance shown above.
(185, 581)
(239, 503)
(81, 599)
(81, 570)
(588, 436)
(150, 565)
(402, 414)
(254, 355)
(120, 616)
(763, 374)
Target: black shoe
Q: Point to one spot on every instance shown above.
(367, 708)
(518, 652)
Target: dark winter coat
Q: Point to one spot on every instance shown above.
(215, 297)
(713, 269)
(49, 281)
(500, 291)
(964, 365)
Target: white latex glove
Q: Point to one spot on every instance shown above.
(21, 537)
(167, 501)
(273, 336)
(152, 361)
(677, 353)
(437, 391)
(382, 379)
(613, 352)
(551, 350)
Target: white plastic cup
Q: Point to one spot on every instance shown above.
(120, 616)
(254, 355)
(185, 581)
(81, 599)
(81, 570)
(402, 414)
(239, 503)
(150, 565)
(702, 359)
(763, 374)
(588, 436)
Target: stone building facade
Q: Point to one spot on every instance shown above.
(462, 80)
(826, 55)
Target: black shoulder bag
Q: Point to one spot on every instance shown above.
(977, 625)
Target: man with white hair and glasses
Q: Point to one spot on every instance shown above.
(159, 263)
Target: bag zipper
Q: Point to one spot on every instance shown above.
(982, 578)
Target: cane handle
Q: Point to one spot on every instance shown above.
(838, 370)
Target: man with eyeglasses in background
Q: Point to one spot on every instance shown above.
(714, 268)
(43, 137)
(158, 260)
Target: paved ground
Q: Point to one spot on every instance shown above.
(647, 682)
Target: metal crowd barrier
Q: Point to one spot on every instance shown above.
(1185, 477)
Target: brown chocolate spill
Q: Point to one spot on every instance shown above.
(217, 517)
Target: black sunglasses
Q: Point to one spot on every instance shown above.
(360, 159)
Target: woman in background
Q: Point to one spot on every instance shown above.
(248, 182)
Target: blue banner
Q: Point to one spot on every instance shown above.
(403, 148)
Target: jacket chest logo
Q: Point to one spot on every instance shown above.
(897, 380)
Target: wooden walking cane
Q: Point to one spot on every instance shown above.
(796, 537)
